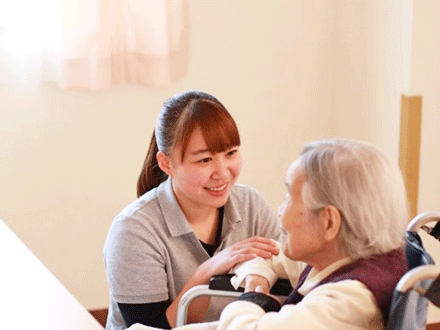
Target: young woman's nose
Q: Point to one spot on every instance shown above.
(221, 169)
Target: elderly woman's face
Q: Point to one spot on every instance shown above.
(303, 238)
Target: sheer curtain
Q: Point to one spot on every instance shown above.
(93, 44)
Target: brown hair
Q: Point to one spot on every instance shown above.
(176, 122)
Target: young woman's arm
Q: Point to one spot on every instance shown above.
(220, 263)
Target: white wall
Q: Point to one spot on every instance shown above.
(425, 81)
(70, 159)
(267, 64)
(384, 49)
(373, 67)
(289, 72)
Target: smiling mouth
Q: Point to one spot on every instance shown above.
(221, 188)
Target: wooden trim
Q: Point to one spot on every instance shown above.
(409, 154)
(433, 326)
(100, 315)
(409, 148)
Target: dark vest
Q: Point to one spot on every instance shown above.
(379, 273)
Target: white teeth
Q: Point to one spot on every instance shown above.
(217, 188)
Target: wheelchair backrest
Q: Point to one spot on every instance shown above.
(409, 307)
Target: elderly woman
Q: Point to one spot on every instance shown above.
(344, 219)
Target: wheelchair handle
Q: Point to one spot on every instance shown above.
(420, 220)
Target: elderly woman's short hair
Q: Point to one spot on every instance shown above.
(364, 185)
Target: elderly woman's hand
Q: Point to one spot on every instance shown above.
(256, 283)
(257, 291)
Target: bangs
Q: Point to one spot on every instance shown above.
(216, 124)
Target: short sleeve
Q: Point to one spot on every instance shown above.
(135, 263)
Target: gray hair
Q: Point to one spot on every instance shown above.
(364, 185)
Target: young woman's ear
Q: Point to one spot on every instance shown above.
(332, 222)
(164, 163)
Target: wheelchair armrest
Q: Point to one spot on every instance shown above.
(282, 287)
(220, 286)
(222, 282)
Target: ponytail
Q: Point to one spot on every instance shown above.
(151, 175)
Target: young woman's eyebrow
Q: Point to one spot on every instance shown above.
(201, 151)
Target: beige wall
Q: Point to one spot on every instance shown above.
(289, 72)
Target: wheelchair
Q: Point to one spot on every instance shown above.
(412, 295)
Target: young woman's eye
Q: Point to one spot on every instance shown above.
(204, 160)
(231, 152)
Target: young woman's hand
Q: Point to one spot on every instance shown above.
(247, 249)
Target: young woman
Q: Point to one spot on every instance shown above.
(191, 220)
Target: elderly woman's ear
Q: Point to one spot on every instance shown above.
(332, 222)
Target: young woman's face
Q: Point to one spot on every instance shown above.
(203, 179)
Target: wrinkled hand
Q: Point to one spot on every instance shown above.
(259, 284)
(247, 249)
(256, 283)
